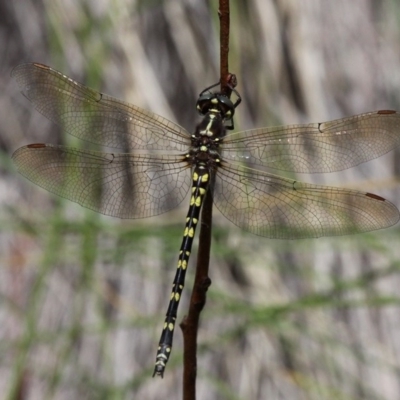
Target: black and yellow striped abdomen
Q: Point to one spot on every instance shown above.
(201, 178)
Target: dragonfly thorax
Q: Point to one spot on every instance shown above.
(216, 102)
(212, 126)
(206, 140)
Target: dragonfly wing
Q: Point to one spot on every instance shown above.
(322, 147)
(120, 185)
(280, 208)
(96, 117)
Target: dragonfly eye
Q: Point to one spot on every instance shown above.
(215, 101)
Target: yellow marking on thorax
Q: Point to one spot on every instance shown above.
(209, 125)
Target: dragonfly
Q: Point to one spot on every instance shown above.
(160, 162)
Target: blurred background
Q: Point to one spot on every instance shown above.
(83, 296)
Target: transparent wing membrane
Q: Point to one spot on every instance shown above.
(120, 185)
(134, 185)
(96, 117)
(279, 208)
(324, 147)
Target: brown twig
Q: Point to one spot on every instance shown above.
(224, 21)
(190, 324)
(228, 80)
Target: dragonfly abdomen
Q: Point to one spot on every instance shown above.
(201, 179)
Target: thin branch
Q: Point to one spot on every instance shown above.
(224, 22)
(190, 324)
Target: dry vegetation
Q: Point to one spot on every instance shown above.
(83, 296)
